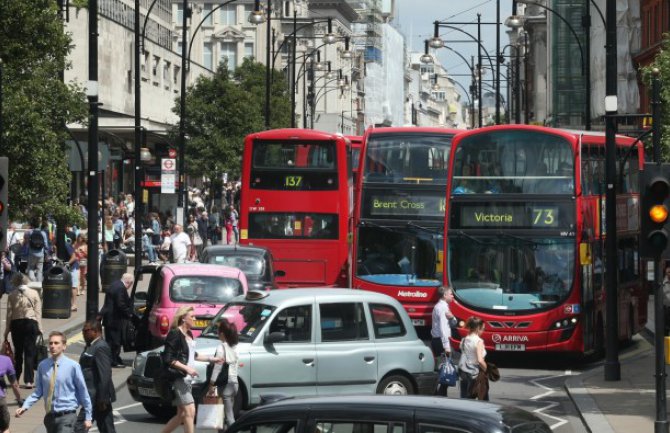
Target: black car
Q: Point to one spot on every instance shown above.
(386, 414)
(255, 262)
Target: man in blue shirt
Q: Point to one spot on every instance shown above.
(60, 382)
(440, 331)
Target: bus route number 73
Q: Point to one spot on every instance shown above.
(544, 217)
(293, 181)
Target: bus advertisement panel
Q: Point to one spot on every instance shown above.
(524, 243)
(297, 200)
(400, 208)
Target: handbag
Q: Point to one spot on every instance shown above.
(7, 350)
(128, 335)
(210, 414)
(41, 350)
(448, 373)
(221, 379)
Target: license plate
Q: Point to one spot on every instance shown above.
(418, 322)
(511, 347)
(200, 323)
(147, 392)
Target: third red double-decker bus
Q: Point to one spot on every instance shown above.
(525, 237)
(296, 200)
(399, 226)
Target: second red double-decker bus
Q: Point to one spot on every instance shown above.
(525, 234)
(398, 239)
(296, 200)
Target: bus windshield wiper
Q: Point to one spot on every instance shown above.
(518, 238)
(472, 238)
(377, 226)
(425, 229)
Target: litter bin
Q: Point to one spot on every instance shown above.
(112, 266)
(56, 293)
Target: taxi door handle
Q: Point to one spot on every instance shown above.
(369, 358)
(308, 361)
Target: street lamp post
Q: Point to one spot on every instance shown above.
(328, 38)
(181, 214)
(137, 173)
(427, 58)
(92, 95)
(436, 42)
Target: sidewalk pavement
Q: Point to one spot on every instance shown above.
(32, 420)
(622, 406)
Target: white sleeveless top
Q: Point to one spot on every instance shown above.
(469, 361)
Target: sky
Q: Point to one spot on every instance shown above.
(415, 20)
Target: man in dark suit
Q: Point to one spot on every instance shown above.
(116, 309)
(96, 364)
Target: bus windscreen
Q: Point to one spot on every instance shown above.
(513, 162)
(293, 225)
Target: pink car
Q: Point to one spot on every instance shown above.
(205, 287)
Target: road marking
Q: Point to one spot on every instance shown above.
(120, 420)
(127, 406)
(549, 404)
(77, 338)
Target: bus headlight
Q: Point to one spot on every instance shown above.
(565, 323)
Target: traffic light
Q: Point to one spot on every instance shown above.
(655, 209)
(4, 185)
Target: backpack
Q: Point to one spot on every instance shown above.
(36, 240)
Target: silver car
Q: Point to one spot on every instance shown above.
(308, 342)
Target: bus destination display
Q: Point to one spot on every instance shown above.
(517, 215)
(387, 205)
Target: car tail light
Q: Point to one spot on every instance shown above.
(164, 325)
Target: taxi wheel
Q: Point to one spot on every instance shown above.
(395, 385)
(159, 411)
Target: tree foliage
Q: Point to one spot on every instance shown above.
(36, 105)
(662, 63)
(221, 110)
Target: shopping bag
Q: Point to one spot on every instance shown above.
(41, 350)
(210, 414)
(448, 373)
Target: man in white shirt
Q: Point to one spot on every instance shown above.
(440, 331)
(181, 243)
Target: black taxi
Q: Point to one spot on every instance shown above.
(386, 414)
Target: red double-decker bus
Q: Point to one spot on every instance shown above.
(399, 226)
(297, 200)
(525, 237)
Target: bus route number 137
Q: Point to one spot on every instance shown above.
(293, 181)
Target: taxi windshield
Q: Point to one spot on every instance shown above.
(203, 289)
(248, 317)
(250, 265)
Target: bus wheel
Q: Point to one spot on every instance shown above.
(395, 385)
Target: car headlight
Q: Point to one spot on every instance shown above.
(138, 364)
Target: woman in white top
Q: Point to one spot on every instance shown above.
(227, 351)
(473, 353)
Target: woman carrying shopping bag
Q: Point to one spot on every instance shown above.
(226, 387)
(24, 322)
(179, 354)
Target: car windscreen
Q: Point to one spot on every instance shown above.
(249, 318)
(250, 265)
(204, 289)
